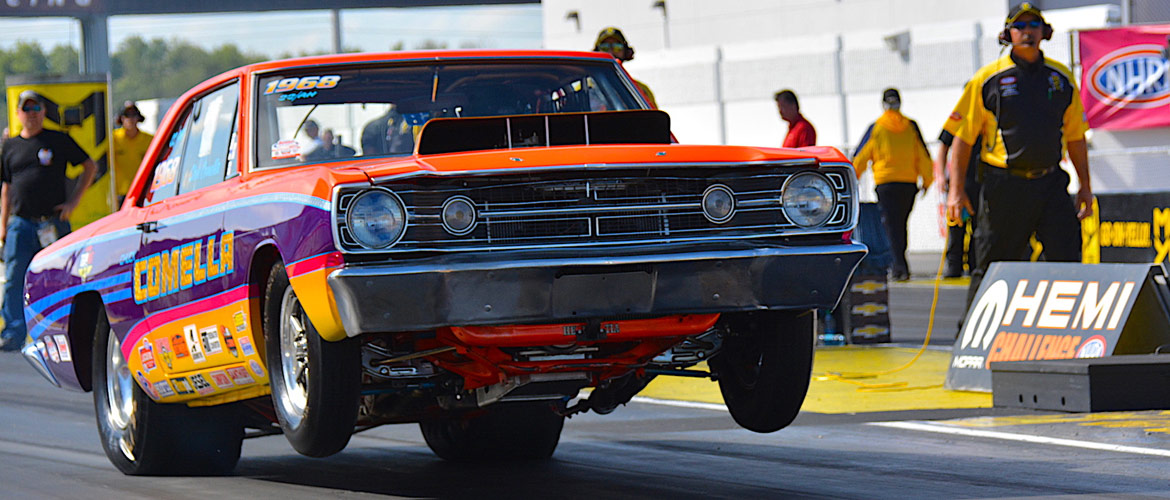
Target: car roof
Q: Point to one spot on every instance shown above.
(434, 55)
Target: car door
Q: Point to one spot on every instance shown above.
(184, 254)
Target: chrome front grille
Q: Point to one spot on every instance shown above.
(535, 209)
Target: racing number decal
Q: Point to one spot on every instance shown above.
(303, 83)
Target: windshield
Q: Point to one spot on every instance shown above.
(322, 114)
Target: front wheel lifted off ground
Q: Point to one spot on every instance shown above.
(765, 366)
(142, 437)
(315, 383)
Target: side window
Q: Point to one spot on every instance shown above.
(209, 149)
(164, 179)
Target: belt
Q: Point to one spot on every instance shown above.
(1035, 173)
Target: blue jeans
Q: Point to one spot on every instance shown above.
(19, 248)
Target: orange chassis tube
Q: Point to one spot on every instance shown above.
(479, 359)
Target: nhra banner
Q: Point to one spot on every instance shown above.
(1027, 311)
(1125, 83)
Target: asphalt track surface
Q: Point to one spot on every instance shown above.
(647, 449)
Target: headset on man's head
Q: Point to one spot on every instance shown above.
(1005, 36)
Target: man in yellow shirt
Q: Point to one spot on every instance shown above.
(612, 41)
(130, 146)
(1028, 111)
(893, 145)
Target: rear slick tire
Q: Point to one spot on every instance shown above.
(316, 384)
(765, 366)
(145, 438)
(507, 431)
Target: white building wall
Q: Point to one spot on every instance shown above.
(756, 47)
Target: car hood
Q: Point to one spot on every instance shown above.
(596, 156)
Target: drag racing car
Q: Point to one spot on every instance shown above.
(482, 242)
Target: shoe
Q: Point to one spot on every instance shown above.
(900, 276)
(951, 272)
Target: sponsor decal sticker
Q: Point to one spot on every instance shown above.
(191, 338)
(246, 345)
(163, 388)
(220, 379)
(146, 355)
(202, 386)
(182, 386)
(230, 342)
(239, 375)
(63, 348)
(164, 350)
(180, 346)
(256, 368)
(285, 149)
(240, 321)
(85, 262)
(52, 347)
(956, 116)
(209, 339)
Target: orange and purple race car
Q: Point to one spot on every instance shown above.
(463, 239)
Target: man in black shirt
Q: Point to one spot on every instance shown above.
(1028, 111)
(34, 204)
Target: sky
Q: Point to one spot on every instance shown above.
(275, 33)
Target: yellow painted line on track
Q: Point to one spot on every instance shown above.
(922, 390)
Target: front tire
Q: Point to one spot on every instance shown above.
(508, 431)
(765, 366)
(316, 384)
(142, 437)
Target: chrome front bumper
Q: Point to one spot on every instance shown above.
(504, 288)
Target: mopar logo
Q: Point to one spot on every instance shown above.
(1131, 77)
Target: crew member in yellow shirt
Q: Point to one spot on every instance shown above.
(130, 146)
(894, 147)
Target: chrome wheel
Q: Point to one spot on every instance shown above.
(119, 392)
(294, 358)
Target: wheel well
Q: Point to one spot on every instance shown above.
(258, 273)
(82, 322)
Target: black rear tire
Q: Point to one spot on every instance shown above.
(316, 384)
(765, 366)
(145, 438)
(507, 431)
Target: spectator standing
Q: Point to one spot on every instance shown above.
(894, 146)
(1028, 110)
(800, 132)
(34, 204)
(611, 40)
(130, 145)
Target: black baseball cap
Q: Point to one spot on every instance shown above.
(891, 96)
(1021, 9)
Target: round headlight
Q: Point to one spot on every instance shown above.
(458, 215)
(718, 203)
(808, 199)
(376, 218)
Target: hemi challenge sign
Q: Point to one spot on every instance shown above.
(1037, 311)
(1126, 82)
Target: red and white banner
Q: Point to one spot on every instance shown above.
(1125, 78)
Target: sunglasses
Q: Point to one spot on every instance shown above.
(1027, 24)
(31, 108)
(611, 46)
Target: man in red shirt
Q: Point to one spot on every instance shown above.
(800, 132)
